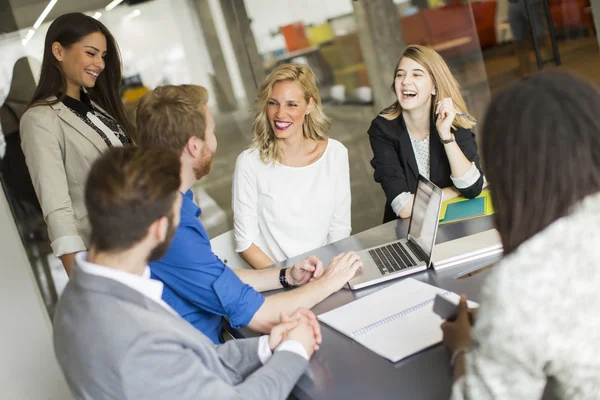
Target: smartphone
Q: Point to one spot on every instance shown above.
(444, 307)
(447, 308)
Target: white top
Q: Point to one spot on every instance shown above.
(287, 211)
(539, 318)
(153, 290)
(422, 155)
(110, 134)
(421, 150)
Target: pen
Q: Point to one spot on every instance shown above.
(467, 116)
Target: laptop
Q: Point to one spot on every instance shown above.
(405, 256)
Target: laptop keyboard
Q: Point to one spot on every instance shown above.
(421, 256)
(391, 258)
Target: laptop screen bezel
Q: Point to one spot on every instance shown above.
(437, 190)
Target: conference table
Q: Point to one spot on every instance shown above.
(344, 369)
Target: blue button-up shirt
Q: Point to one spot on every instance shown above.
(197, 284)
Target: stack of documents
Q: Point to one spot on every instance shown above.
(395, 322)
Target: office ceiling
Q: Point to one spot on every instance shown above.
(26, 12)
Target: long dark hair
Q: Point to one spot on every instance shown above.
(67, 30)
(541, 151)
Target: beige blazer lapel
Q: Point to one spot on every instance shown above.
(77, 124)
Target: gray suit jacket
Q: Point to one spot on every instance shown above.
(60, 150)
(113, 342)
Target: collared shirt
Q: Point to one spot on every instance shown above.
(141, 283)
(153, 290)
(197, 284)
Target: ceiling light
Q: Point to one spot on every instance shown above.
(112, 4)
(135, 13)
(97, 15)
(44, 14)
(28, 37)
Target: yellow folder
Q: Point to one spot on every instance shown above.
(466, 208)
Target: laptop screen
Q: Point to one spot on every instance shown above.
(425, 215)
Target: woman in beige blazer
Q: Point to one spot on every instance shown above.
(76, 114)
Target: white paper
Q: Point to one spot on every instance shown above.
(394, 322)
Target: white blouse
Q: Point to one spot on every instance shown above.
(539, 320)
(423, 158)
(287, 211)
(421, 150)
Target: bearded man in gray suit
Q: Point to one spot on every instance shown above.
(115, 338)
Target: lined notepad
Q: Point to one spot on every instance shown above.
(394, 322)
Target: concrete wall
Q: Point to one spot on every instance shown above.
(596, 12)
(227, 48)
(28, 369)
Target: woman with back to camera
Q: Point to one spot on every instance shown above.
(426, 131)
(76, 114)
(538, 326)
(291, 188)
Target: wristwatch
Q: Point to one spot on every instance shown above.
(446, 141)
(282, 278)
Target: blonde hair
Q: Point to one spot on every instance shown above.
(445, 84)
(316, 123)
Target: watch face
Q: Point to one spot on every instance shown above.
(446, 141)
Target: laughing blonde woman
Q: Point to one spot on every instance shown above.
(291, 188)
(427, 131)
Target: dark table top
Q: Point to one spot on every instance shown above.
(344, 369)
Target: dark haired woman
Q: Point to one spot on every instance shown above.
(76, 114)
(538, 326)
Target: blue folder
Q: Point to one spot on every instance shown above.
(465, 209)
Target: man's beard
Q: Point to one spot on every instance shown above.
(161, 249)
(202, 168)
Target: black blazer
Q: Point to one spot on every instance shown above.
(396, 166)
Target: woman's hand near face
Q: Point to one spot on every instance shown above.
(445, 113)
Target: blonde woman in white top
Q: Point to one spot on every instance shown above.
(291, 188)
(538, 327)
